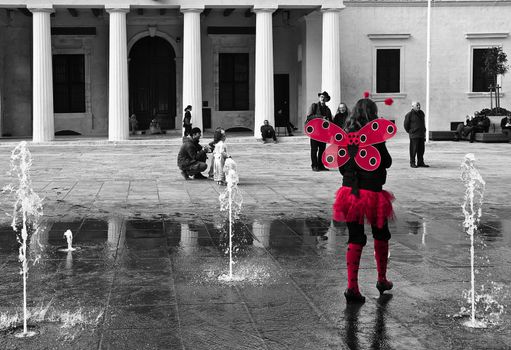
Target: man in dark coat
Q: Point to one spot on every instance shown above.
(192, 157)
(319, 110)
(268, 132)
(415, 126)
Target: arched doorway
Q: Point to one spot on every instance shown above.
(152, 82)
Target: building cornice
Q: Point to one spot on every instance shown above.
(388, 36)
(423, 3)
(486, 35)
(177, 4)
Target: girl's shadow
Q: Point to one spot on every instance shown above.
(379, 337)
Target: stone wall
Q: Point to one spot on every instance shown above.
(450, 56)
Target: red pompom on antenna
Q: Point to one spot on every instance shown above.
(366, 94)
(389, 101)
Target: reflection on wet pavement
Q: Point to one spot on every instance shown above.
(161, 276)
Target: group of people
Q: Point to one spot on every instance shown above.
(192, 157)
(154, 126)
(322, 111)
(472, 124)
(414, 125)
(361, 198)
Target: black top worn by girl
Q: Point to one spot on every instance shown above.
(356, 178)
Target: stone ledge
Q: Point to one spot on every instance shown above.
(488, 137)
(441, 135)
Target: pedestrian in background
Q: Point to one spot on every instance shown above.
(319, 110)
(415, 126)
(187, 120)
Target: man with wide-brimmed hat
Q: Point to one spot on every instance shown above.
(319, 110)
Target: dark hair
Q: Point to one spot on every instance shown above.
(188, 107)
(217, 136)
(196, 131)
(364, 110)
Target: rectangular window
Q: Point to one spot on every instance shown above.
(233, 81)
(69, 83)
(388, 70)
(480, 81)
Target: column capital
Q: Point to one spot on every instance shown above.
(268, 7)
(192, 8)
(332, 5)
(117, 8)
(41, 8)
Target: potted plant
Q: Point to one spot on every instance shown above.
(495, 115)
(494, 64)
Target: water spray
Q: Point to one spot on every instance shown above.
(27, 210)
(472, 210)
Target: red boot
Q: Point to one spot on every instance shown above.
(381, 255)
(353, 255)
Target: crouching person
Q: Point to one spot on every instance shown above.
(192, 157)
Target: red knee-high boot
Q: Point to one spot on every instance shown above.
(381, 255)
(353, 255)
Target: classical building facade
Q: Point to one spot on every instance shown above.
(87, 65)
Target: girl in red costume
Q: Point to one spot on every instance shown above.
(360, 153)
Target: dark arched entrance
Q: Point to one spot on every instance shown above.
(152, 82)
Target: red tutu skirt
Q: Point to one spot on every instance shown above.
(374, 208)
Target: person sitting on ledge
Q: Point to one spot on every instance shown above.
(281, 120)
(154, 127)
(133, 124)
(192, 157)
(464, 128)
(268, 132)
(505, 124)
(481, 123)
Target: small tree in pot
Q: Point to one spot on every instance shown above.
(494, 64)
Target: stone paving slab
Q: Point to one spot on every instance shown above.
(153, 246)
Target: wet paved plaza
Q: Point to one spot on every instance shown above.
(152, 247)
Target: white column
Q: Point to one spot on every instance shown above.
(118, 111)
(331, 54)
(264, 108)
(192, 80)
(42, 85)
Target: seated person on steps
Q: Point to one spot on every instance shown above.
(268, 132)
(154, 127)
(281, 120)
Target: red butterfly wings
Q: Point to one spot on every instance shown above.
(336, 154)
(324, 131)
(376, 131)
(368, 158)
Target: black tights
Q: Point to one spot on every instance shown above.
(357, 235)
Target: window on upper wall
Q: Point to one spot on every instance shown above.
(388, 70)
(69, 83)
(233, 81)
(480, 80)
